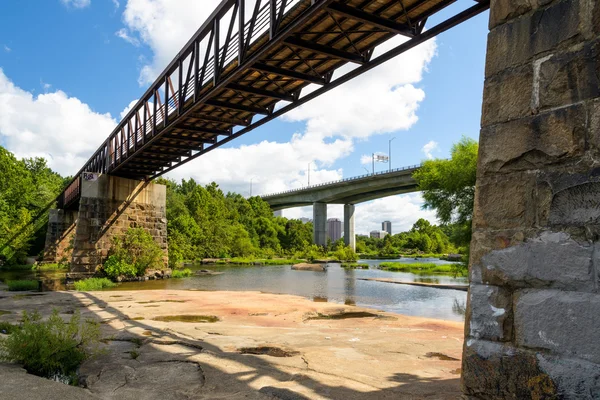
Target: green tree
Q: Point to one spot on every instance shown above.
(449, 187)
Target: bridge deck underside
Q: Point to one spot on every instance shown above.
(206, 98)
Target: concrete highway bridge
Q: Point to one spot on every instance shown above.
(349, 191)
(532, 319)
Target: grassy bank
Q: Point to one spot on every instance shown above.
(355, 266)
(91, 284)
(429, 268)
(243, 261)
(23, 285)
(182, 273)
(35, 267)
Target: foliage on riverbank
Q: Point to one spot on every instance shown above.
(51, 348)
(430, 268)
(23, 285)
(133, 254)
(91, 284)
(34, 267)
(181, 273)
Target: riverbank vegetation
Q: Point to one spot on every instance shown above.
(355, 266)
(91, 284)
(51, 348)
(429, 268)
(181, 273)
(23, 285)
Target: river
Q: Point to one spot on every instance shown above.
(337, 285)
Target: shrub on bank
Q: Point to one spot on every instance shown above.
(345, 254)
(133, 254)
(51, 348)
(23, 285)
(355, 266)
(91, 284)
(417, 267)
(182, 273)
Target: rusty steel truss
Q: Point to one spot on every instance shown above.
(223, 84)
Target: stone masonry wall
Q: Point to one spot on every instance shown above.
(60, 236)
(533, 316)
(110, 206)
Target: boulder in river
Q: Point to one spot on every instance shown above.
(309, 267)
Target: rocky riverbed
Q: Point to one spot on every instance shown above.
(185, 344)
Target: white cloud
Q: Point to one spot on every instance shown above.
(366, 159)
(7, 49)
(76, 3)
(402, 210)
(429, 148)
(116, 4)
(124, 34)
(52, 125)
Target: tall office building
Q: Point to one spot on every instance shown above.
(386, 226)
(334, 229)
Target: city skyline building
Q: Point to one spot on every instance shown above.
(334, 229)
(386, 226)
(378, 234)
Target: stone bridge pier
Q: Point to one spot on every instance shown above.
(108, 207)
(533, 320)
(320, 225)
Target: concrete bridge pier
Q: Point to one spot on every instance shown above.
(349, 236)
(532, 318)
(320, 224)
(108, 207)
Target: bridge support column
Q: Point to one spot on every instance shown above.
(532, 318)
(60, 236)
(349, 236)
(320, 224)
(108, 207)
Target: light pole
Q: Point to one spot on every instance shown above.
(366, 170)
(390, 153)
(373, 161)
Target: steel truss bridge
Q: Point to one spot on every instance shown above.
(249, 63)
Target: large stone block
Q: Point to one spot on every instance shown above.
(550, 260)
(570, 76)
(507, 95)
(493, 370)
(520, 40)
(563, 322)
(573, 378)
(576, 205)
(535, 141)
(505, 202)
(491, 313)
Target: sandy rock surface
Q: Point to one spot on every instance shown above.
(309, 267)
(260, 346)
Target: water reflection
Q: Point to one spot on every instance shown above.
(337, 285)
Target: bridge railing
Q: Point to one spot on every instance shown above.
(354, 178)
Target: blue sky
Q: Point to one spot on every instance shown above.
(70, 67)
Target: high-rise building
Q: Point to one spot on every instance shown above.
(386, 226)
(378, 234)
(305, 220)
(334, 229)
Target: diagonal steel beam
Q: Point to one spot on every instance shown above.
(289, 73)
(236, 107)
(325, 50)
(370, 19)
(260, 92)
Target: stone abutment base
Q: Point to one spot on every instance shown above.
(533, 312)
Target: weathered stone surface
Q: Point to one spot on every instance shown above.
(563, 322)
(576, 205)
(517, 42)
(309, 267)
(499, 371)
(507, 95)
(551, 260)
(570, 77)
(505, 202)
(535, 141)
(505, 10)
(60, 236)
(491, 313)
(574, 379)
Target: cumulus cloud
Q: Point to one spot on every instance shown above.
(124, 34)
(116, 4)
(7, 49)
(52, 125)
(76, 3)
(429, 148)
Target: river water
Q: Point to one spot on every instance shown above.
(336, 285)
